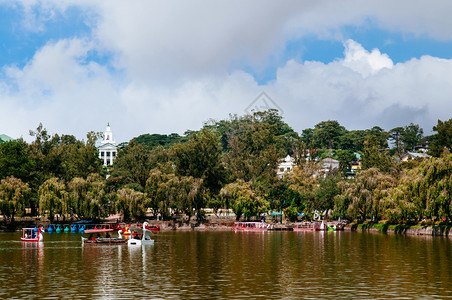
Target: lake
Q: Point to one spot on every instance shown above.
(228, 265)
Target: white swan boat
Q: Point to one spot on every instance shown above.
(145, 238)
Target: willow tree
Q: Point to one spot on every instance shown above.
(402, 201)
(243, 199)
(130, 203)
(14, 195)
(366, 193)
(88, 197)
(53, 197)
(430, 188)
(156, 192)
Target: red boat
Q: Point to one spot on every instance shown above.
(153, 227)
(251, 226)
(98, 230)
(107, 239)
(306, 226)
(30, 235)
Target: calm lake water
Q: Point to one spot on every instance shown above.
(228, 265)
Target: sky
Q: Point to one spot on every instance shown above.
(169, 66)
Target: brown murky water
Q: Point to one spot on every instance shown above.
(228, 265)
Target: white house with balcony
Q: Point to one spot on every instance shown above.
(107, 149)
(286, 165)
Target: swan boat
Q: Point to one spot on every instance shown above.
(145, 239)
(31, 235)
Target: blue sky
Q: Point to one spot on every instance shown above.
(152, 67)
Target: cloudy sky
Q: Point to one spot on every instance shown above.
(168, 66)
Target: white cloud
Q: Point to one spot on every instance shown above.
(178, 60)
(364, 62)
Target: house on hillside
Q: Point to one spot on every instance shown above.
(107, 149)
(286, 165)
(414, 155)
(329, 164)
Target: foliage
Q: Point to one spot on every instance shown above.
(130, 203)
(365, 194)
(231, 164)
(442, 139)
(243, 199)
(135, 161)
(373, 158)
(14, 194)
(156, 140)
(15, 160)
(326, 191)
(52, 197)
(88, 197)
(200, 157)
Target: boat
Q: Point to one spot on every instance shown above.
(30, 235)
(335, 226)
(145, 239)
(102, 237)
(306, 226)
(251, 226)
(153, 227)
(96, 230)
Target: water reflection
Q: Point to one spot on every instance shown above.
(227, 265)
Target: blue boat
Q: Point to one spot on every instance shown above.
(74, 228)
(81, 229)
(50, 229)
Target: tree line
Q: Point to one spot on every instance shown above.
(232, 164)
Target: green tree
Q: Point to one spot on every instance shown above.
(130, 203)
(424, 191)
(15, 161)
(52, 197)
(200, 157)
(327, 134)
(156, 140)
(253, 153)
(135, 161)
(442, 139)
(89, 199)
(412, 136)
(345, 158)
(326, 191)
(373, 158)
(396, 135)
(14, 195)
(366, 194)
(243, 199)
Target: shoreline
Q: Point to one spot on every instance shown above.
(226, 224)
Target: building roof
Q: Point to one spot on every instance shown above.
(6, 138)
(330, 160)
(416, 155)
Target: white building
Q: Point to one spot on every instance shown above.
(107, 148)
(329, 164)
(286, 165)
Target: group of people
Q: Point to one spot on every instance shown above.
(30, 236)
